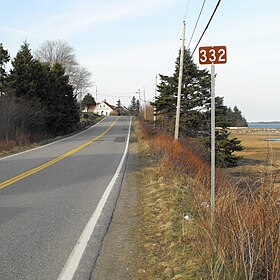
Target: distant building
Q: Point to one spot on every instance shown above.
(102, 108)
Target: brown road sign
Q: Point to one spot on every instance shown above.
(213, 55)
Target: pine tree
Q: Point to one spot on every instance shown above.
(46, 88)
(225, 148)
(238, 119)
(88, 101)
(138, 107)
(23, 83)
(4, 59)
(63, 113)
(195, 110)
(195, 97)
(134, 107)
(45, 91)
(235, 117)
(21, 76)
(119, 107)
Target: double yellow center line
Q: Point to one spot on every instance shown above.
(51, 162)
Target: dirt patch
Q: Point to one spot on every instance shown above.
(118, 253)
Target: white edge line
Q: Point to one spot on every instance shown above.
(74, 259)
(46, 145)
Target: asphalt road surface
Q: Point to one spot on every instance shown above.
(56, 203)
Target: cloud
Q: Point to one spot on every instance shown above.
(13, 30)
(81, 18)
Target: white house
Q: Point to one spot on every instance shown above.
(103, 108)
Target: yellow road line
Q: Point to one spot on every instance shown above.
(51, 162)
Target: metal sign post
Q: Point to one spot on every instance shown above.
(213, 143)
(213, 55)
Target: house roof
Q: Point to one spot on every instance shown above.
(105, 102)
(111, 106)
(92, 107)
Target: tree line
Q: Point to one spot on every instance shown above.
(196, 110)
(38, 95)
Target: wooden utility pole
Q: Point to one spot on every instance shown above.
(155, 110)
(145, 105)
(177, 121)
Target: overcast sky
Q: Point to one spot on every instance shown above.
(125, 43)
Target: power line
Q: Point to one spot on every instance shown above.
(171, 52)
(114, 92)
(198, 18)
(207, 26)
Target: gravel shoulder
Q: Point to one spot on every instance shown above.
(117, 258)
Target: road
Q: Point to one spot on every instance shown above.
(50, 194)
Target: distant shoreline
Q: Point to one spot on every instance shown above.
(262, 122)
(264, 125)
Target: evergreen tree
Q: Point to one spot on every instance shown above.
(225, 148)
(88, 101)
(119, 107)
(238, 119)
(47, 90)
(138, 107)
(195, 109)
(24, 84)
(4, 59)
(134, 107)
(220, 113)
(21, 76)
(63, 112)
(235, 117)
(195, 97)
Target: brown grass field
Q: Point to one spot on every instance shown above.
(260, 156)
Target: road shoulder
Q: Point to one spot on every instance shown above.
(117, 256)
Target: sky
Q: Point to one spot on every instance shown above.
(125, 44)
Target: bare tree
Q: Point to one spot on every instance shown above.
(80, 79)
(59, 51)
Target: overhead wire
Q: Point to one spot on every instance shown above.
(115, 92)
(217, 5)
(171, 52)
(198, 18)
(173, 49)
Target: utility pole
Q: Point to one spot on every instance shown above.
(155, 110)
(139, 94)
(177, 121)
(81, 97)
(95, 93)
(145, 105)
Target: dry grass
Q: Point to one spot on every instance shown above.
(256, 146)
(243, 243)
(261, 157)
